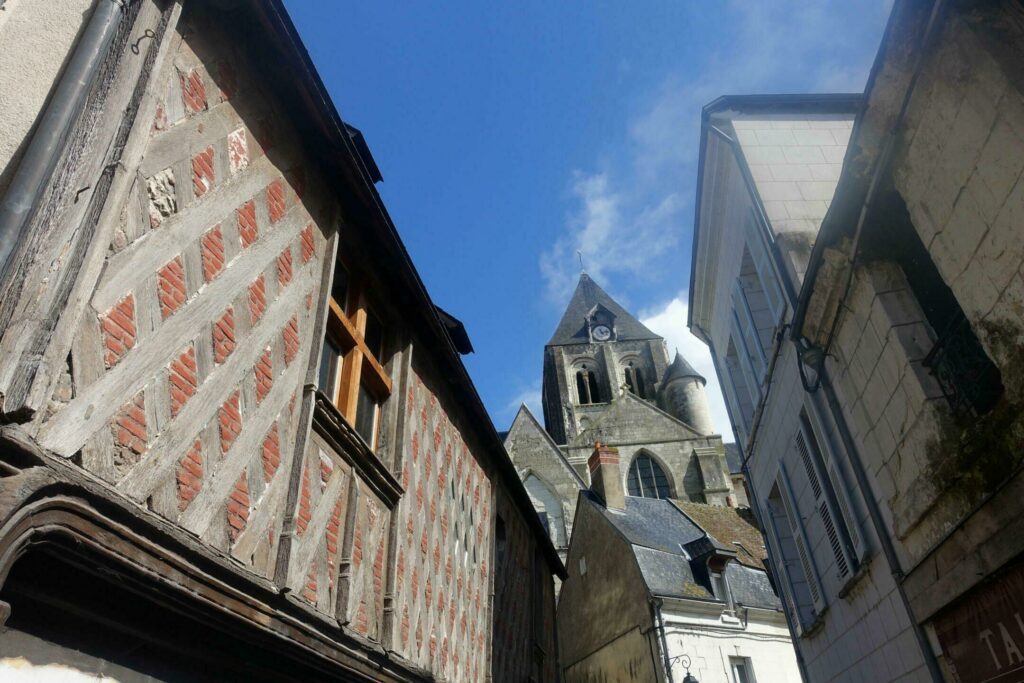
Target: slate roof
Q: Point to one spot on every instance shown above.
(654, 523)
(669, 540)
(751, 587)
(681, 368)
(733, 457)
(669, 574)
(573, 328)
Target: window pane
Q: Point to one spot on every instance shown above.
(660, 481)
(647, 478)
(633, 481)
(329, 358)
(374, 335)
(339, 288)
(740, 667)
(366, 416)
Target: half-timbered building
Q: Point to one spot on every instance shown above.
(239, 441)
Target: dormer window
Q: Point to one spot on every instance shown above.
(586, 386)
(635, 379)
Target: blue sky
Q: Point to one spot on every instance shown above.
(511, 135)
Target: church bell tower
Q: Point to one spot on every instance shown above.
(598, 351)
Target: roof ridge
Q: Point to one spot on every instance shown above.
(525, 409)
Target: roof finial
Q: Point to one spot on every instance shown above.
(579, 255)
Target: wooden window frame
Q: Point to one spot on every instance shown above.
(358, 364)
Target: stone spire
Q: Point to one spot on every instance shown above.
(586, 300)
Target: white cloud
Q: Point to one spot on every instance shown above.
(605, 222)
(779, 46)
(669, 321)
(530, 395)
(641, 194)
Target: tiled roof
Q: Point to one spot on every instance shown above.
(731, 527)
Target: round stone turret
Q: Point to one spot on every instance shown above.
(683, 389)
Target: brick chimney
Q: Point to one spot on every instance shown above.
(605, 477)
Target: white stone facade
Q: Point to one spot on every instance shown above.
(718, 643)
(847, 616)
(884, 457)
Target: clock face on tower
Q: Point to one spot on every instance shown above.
(602, 333)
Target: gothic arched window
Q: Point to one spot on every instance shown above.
(635, 380)
(646, 479)
(586, 386)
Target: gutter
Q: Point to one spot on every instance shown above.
(656, 607)
(875, 513)
(36, 167)
(840, 212)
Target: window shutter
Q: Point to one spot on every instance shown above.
(786, 583)
(765, 271)
(842, 566)
(746, 363)
(805, 562)
(802, 544)
(838, 485)
(805, 458)
(807, 446)
(842, 508)
(745, 322)
(733, 397)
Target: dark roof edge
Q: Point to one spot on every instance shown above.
(456, 330)
(787, 103)
(275, 12)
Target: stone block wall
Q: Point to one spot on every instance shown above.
(864, 627)
(959, 170)
(891, 402)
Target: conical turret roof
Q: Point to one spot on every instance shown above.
(573, 327)
(681, 368)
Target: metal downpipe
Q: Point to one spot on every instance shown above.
(43, 152)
